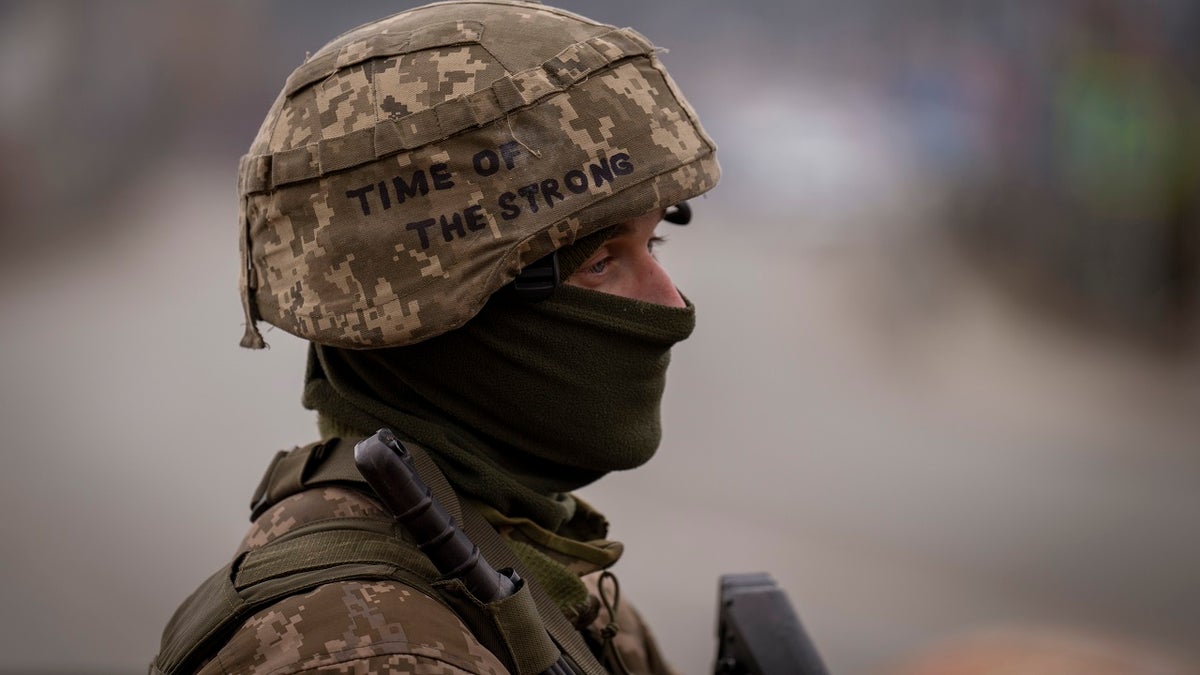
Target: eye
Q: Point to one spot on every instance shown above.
(598, 267)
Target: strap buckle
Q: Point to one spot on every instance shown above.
(537, 280)
(287, 475)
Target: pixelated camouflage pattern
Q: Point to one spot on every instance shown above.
(368, 627)
(308, 507)
(411, 106)
(354, 627)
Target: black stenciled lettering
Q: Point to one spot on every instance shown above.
(441, 175)
(419, 185)
(621, 164)
(601, 172)
(452, 226)
(361, 193)
(576, 181)
(508, 209)
(383, 196)
(486, 162)
(419, 227)
(474, 218)
(509, 152)
(530, 192)
(550, 191)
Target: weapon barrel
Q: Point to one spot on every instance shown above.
(387, 466)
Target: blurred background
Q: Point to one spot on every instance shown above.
(946, 381)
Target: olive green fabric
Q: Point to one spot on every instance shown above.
(563, 586)
(581, 540)
(510, 627)
(525, 402)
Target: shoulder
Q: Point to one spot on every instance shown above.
(319, 504)
(358, 626)
(354, 626)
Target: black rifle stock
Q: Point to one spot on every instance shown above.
(758, 632)
(387, 466)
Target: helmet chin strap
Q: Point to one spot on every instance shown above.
(537, 280)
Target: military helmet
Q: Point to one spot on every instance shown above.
(414, 165)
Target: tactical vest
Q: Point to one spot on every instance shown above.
(365, 548)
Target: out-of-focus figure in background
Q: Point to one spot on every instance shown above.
(1095, 172)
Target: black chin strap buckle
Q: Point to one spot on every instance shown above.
(680, 214)
(538, 279)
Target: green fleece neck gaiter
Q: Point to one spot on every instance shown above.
(524, 402)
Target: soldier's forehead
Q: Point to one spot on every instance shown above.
(627, 226)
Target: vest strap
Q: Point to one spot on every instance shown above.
(359, 548)
(339, 550)
(321, 549)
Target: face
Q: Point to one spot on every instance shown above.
(625, 265)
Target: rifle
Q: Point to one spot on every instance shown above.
(388, 467)
(758, 632)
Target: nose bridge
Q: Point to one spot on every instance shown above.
(655, 284)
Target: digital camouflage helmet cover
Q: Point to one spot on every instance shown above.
(414, 165)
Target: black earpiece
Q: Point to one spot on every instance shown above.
(680, 214)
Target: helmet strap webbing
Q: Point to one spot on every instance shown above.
(251, 339)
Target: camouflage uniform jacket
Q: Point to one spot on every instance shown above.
(368, 626)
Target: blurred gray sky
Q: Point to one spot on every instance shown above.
(907, 433)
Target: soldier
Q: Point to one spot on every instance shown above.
(457, 206)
